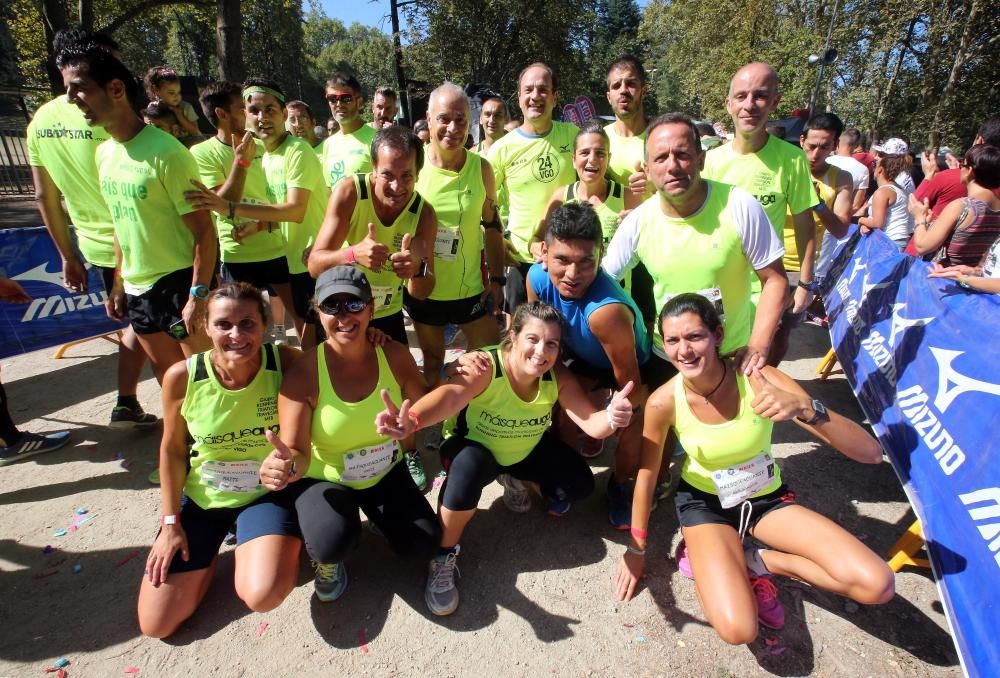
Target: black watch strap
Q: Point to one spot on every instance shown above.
(810, 286)
(500, 279)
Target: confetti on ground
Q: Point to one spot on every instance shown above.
(777, 650)
(261, 629)
(128, 558)
(83, 519)
(132, 670)
(628, 626)
(59, 533)
(61, 662)
(77, 569)
(81, 511)
(640, 639)
(43, 575)
(362, 641)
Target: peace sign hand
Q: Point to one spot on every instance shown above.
(392, 422)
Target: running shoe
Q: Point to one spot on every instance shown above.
(769, 609)
(557, 508)
(515, 494)
(30, 444)
(755, 564)
(683, 562)
(441, 593)
(331, 581)
(450, 333)
(416, 468)
(154, 477)
(619, 504)
(123, 417)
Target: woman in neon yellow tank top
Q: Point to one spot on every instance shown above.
(226, 401)
(730, 484)
(610, 199)
(327, 408)
(497, 429)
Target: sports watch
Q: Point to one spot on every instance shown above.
(819, 414)
(199, 291)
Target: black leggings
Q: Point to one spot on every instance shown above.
(560, 472)
(331, 526)
(8, 432)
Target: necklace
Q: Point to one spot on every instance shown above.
(712, 392)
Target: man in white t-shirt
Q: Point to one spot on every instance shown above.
(858, 172)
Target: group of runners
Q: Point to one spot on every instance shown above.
(643, 284)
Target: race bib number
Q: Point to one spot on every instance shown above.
(738, 483)
(369, 462)
(232, 476)
(382, 295)
(446, 243)
(713, 294)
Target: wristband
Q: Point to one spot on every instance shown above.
(637, 533)
(232, 210)
(169, 519)
(242, 163)
(635, 551)
(350, 255)
(808, 286)
(415, 418)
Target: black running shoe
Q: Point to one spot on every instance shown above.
(129, 417)
(31, 444)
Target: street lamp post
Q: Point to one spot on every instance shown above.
(827, 58)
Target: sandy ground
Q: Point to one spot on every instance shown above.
(536, 591)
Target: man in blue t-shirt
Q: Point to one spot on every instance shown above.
(605, 338)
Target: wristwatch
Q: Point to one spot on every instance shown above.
(819, 413)
(199, 291)
(808, 286)
(169, 520)
(422, 271)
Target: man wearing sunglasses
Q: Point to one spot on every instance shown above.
(346, 151)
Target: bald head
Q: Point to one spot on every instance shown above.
(755, 72)
(753, 96)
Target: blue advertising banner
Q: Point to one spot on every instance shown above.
(923, 358)
(55, 315)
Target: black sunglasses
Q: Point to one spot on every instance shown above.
(353, 305)
(340, 98)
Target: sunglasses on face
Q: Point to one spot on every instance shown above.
(340, 98)
(331, 307)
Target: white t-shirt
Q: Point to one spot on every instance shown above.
(991, 262)
(857, 170)
(905, 182)
(761, 243)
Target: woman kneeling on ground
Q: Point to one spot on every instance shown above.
(227, 400)
(327, 405)
(730, 484)
(499, 431)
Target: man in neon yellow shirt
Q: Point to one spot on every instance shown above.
(302, 124)
(231, 165)
(295, 189)
(774, 172)
(164, 250)
(61, 149)
(531, 163)
(384, 107)
(702, 236)
(348, 150)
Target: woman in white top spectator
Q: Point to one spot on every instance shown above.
(887, 208)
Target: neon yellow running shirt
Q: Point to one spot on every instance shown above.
(532, 167)
(826, 189)
(607, 211)
(215, 162)
(713, 448)
(626, 153)
(347, 154)
(228, 427)
(294, 164)
(500, 421)
(143, 181)
(345, 447)
(62, 141)
(457, 199)
(387, 287)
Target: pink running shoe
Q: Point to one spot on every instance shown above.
(683, 562)
(769, 609)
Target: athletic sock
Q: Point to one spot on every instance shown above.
(8, 432)
(129, 401)
(445, 551)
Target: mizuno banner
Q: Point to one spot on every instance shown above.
(55, 315)
(923, 358)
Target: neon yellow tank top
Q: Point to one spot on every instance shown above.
(826, 188)
(607, 211)
(387, 287)
(713, 448)
(699, 253)
(228, 428)
(500, 421)
(457, 199)
(345, 447)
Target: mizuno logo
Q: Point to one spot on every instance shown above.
(952, 383)
(901, 324)
(39, 274)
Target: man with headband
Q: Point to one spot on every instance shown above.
(295, 188)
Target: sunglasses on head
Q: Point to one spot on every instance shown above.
(352, 305)
(340, 98)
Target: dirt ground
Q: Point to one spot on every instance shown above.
(536, 591)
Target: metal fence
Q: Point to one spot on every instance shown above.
(15, 172)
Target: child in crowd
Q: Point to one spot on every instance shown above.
(163, 85)
(160, 115)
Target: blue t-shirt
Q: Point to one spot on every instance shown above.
(577, 335)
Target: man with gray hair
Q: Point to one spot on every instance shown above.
(384, 107)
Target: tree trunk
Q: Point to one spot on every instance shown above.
(229, 40)
(86, 9)
(54, 20)
(961, 56)
(892, 79)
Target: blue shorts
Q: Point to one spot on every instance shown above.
(272, 514)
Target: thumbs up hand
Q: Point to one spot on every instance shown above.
(404, 263)
(620, 408)
(773, 402)
(277, 468)
(637, 180)
(370, 253)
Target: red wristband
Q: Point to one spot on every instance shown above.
(415, 418)
(350, 255)
(242, 163)
(637, 533)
